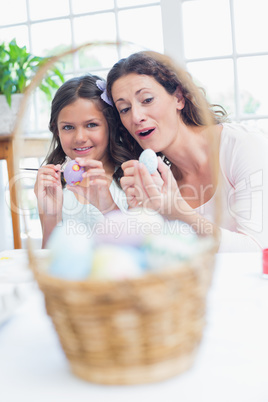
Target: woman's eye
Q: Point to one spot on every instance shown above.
(148, 100)
(123, 111)
(90, 125)
(67, 127)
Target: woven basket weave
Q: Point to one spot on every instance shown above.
(130, 332)
(134, 331)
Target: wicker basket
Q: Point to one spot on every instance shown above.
(134, 331)
(128, 332)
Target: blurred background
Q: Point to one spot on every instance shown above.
(222, 43)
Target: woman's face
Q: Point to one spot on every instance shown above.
(147, 110)
(83, 130)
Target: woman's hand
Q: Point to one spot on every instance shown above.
(128, 182)
(48, 191)
(159, 191)
(95, 185)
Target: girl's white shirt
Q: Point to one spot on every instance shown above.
(74, 213)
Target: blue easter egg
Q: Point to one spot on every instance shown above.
(149, 158)
(71, 254)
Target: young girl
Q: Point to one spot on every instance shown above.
(81, 123)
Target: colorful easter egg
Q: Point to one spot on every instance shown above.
(149, 158)
(73, 173)
(112, 262)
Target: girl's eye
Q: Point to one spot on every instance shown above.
(67, 127)
(148, 100)
(90, 125)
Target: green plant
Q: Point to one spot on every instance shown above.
(18, 66)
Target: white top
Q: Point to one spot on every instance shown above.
(244, 190)
(74, 212)
(231, 363)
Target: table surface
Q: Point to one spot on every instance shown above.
(231, 365)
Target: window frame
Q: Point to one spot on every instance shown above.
(172, 16)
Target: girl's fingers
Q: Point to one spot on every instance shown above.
(76, 190)
(49, 171)
(48, 183)
(94, 172)
(89, 162)
(98, 182)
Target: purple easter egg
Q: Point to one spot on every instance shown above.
(73, 173)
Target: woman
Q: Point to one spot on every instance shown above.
(160, 108)
(82, 123)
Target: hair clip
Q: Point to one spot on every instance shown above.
(102, 86)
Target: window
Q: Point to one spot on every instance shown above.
(51, 27)
(223, 44)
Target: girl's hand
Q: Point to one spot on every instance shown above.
(95, 185)
(128, 182)
(48, 190)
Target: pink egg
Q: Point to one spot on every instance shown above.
(73, 173)
(129, 228)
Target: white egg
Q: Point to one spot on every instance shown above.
(149, 158)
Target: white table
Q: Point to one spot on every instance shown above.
(231, 366)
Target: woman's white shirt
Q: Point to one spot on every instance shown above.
(243, 187)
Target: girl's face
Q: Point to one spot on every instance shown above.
(83, 130)
(147, 110)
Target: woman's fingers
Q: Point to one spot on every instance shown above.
(128, 164)
(129, 171)
(165, 172)
(150, 187)
(140, 190)
(127, 182)
(131, 198)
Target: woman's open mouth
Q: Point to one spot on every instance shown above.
(145, 133)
